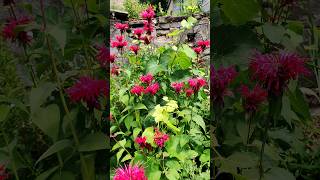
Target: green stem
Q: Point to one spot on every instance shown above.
(249, 127)
(33, 74)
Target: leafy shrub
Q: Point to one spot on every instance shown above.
(134, 8)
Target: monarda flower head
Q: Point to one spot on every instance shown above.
(138, 32)
(160, 138)
(148, 27)
(252, 99)
(147, 79)
(189, 92)
(130, 172)
(177, 86)
(203, 44)
(121, 27)
(120, 43)
(148, 14)
(88, 90)
(198, 50)
(152, 89)
(220, 81)
(275, 70)
(137, 90)
(135, 49)
(146, 39)
(8, 31)
(115, 70)
(142, 141)
(196, 83)
(103, 56)
(3, 174)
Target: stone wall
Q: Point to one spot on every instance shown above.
(166, 24)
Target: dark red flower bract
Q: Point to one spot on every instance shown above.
(252, 99)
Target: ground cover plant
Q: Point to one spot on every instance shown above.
(159, 107)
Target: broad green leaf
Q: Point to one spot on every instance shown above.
(93, 142)
(39, 95)
(119, 144)
(153, 67)
(172, 146)
(278, 173)
(4, 111)
(242, 128)
(273, 32)
(149, 134)
(184, 139)
(127, 121)
(59, 33)
(188, 51)
(299, 105)
(56, 147)
(140, 106)
(205, 157)
(90, 165)
(199, 120)
(45, 175)
(183, 60)
(172, 174)
(48, 120)
(286, 111)
(136, 131)
(240, 11)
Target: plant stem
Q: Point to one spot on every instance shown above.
(249, 126)
(262, 149)
(33, 74)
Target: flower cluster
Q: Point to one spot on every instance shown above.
(135, 49)
(8, 31)
(142, 141)
(252, 99)
(220, 81)
(138, 32)
(103, 56)
(121, 27)
(115, 70)
(194, 85)
(88, 90)
(160, 138)
(201, 46)
(120, 43)
(274, 70)
(150, 89)
(130, 172)
(3, 174)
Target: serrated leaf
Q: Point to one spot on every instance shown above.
(199, 120)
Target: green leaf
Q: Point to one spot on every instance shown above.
(39, 95)
(183, 60)
(278, 173)
(273, 32)
(56, 147)
(299, 105)
(188, 51)
(172, 174)
(240, 11)
(172, 146)
(149, 134)
(119, 154)
(64, 175)
(199, 120)
(140, 106)
(286, 111)
(184, 139)
(127, 157)
(48, 120)
(4, 111)
(242, 129)
(136, 131)
(154, 68)
(127, 121)
(205, 157)
(93, 142)
(47, 173)
(59, 34)
(119, 144)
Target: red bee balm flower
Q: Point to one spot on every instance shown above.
(148, 27)
(177, 86)
(152, 89)
(203, 44)
(197, 83)
(130, 173)
(160, 138)
(3, 174)
(120, 43)
(146, 78)
(220, 81)
(198, 50)
(275, 70)
(134, 49)
(88, 90)
(253, 98)
(148, 14)
(104, 57)
(142, 141)
(8, 32)
(121, 27)
(137, 90)
(115, 70)
(189, 92)
(138, 32)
